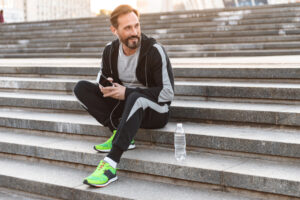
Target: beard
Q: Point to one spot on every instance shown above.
(131, 44)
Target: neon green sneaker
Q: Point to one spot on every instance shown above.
(102, 176)
(106, 146)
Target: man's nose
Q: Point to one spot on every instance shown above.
(134, 31)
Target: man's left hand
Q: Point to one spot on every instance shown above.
(116, 92)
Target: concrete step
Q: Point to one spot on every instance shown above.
(272, 46)
(224, 23)
(280, 27)
(236, 112)
(235, 18)
(203, 88)
(51, 66)
(49, 50)
(232, 20)
(244, 69)
(37, 83)
(184, 54)
(66, 183)
(223, 28)
(238, 90)
(174, 50)
(234, 47)
(232, 53)
(54, 22)
(271, 68)
(257, 140)
(9, 194)
(91, 47)
(262, 113)
(242, 172)
(231, 42)
(241, 46)
(52, 55)
(292, 21)
(106, 35)
(201, 135)
(269, 35)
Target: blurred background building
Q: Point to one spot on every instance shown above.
(35, 10)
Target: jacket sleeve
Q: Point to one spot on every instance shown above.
(162, 88)
(104, 66)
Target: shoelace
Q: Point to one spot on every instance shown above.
(101, 167)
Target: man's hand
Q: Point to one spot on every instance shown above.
(117, 91)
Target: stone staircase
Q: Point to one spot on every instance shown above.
(240, 114)
(241, 117)
(250, 31)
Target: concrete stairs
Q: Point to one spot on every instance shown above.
(251, 31)
(241, 117)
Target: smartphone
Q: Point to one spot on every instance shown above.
(104, 82)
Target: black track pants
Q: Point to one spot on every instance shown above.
(137, 111)
(91, 99)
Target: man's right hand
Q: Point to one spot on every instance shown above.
(101, 88)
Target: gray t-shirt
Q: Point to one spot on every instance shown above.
(127, 67)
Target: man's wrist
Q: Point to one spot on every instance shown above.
(128, 91)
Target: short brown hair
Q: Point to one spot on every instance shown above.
(121, 10)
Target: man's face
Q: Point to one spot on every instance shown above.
(129, 30)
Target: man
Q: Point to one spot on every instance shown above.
(142, 91)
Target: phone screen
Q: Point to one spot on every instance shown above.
(104, 82)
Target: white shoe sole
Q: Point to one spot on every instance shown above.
(131, 146)
(103, 185)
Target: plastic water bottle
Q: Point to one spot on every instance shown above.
(179, 143)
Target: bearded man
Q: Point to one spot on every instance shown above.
(140, 95)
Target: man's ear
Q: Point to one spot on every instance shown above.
(113, 30)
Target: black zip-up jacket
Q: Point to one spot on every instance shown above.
(153, 70)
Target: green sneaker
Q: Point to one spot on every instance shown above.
(106, 146)
(102, 176)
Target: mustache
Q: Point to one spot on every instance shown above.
(134, 36)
